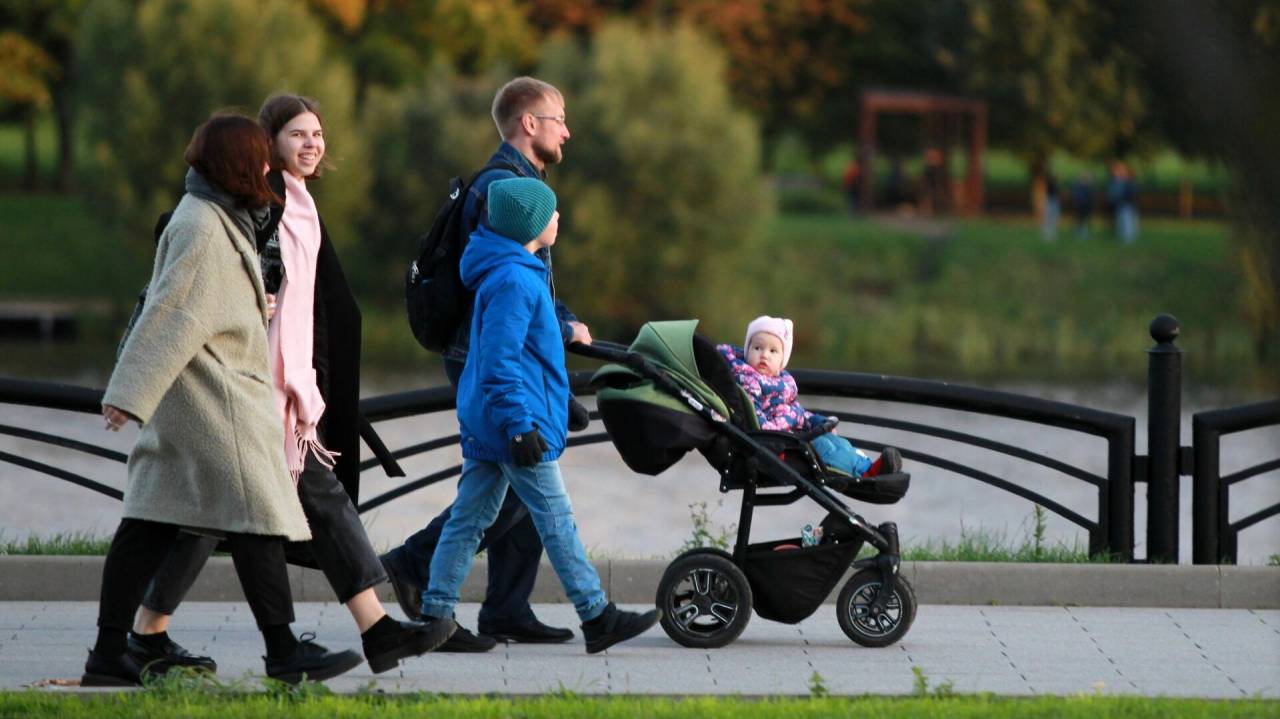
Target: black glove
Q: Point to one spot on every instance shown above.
(817, 430)
(527, 449)
(579, 418)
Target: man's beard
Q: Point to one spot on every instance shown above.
(548, 155)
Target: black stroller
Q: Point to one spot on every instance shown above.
(672, 392)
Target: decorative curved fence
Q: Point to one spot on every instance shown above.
(1213, 534)
(1110, 524)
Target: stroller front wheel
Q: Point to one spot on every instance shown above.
(705, 600)
(854, 610)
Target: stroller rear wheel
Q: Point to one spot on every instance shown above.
(705, 600)
(853, 609)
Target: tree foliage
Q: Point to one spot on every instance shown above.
(1058, 74)
(26, 71)
(160, 67)
(661, 179)
(420, 136)
(1220, 101)
(791, 61)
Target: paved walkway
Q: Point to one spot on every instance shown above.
(1224, 653)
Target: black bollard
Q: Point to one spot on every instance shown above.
(1164, 418)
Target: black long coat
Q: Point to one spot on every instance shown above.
(336, 350)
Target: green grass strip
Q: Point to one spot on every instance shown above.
(313, 703)
(61, 543)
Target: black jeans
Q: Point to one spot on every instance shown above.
(512, 542)
(140, 547)
(339, 545)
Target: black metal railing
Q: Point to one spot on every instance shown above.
(1213, 534)
(1110, 530)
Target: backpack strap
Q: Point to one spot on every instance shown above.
(499, 165)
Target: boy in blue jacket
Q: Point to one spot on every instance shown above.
(512, 400)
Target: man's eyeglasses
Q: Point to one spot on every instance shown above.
(557, 118)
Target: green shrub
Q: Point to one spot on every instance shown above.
(152, 71)
(661, 181)
(419, 137)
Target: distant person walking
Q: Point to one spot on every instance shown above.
(194, 373)
(852, 183)
(1123, 193)
(1052, 209)
(1082, 203)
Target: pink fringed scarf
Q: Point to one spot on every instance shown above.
(290, 334)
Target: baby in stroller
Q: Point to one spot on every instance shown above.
(761, 372)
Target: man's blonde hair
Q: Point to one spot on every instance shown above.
(515, 98)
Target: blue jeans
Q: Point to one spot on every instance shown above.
(1127, 223)
(839, 453)
(512, 543)
(481, 491)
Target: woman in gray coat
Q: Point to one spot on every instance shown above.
(193, 372)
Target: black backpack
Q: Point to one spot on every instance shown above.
(434, 295)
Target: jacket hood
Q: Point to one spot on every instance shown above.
(487, 250)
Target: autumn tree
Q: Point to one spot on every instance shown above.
(38, 67)
(1214, 67)
(160, 67)
(1058, 75)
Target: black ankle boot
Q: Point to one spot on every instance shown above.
(158, 653)
(389, 641)
(121, 670)
(616, 625)
(311, 661)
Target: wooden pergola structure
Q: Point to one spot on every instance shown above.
(939, 113)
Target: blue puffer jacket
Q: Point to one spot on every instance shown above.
(515, 378)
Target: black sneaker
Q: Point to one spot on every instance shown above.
(119, 671)
(408, 593)
(616, 625)
(463, 640)
(311, 661)
(170, 655)
(409, 640)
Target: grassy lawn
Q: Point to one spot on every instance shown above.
(988, 298)
(53, 248)
(316, 702)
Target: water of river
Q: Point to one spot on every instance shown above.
(623, 514)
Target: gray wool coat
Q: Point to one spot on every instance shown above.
(194, 370)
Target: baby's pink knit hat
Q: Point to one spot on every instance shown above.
(776, 326)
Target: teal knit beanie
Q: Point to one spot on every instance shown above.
(520, 208)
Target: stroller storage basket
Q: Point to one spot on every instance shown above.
(788, 585)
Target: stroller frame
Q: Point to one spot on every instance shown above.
(886, 564)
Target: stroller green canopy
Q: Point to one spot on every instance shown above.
(653, 429)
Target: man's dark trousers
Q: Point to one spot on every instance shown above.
(514, 552)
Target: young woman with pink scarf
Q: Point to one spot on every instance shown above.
(314, 346)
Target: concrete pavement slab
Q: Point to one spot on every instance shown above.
(1006, 650)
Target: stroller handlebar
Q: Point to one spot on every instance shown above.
(601, 350)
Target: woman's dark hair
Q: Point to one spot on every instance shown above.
(277, 111)
(230, 150)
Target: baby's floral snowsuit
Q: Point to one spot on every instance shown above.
(773, 398)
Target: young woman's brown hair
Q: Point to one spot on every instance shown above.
(231, 151)
(277, 111)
